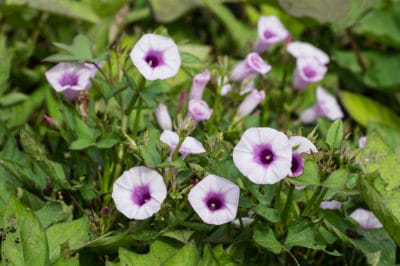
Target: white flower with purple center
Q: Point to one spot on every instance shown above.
(189, 145)
(199, 110)
(198, 84)
(308, 70)
(270, 31)
(326, 106)
(300, 145)
(69, 78)
(302, 50)
(156, 57)
(139, 192)
(252, 65)
(250, 102)
(215, 200)
(163, 118)
(366, 219)
(263, 155)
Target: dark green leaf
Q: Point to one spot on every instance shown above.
(264, 236)
(269, 214)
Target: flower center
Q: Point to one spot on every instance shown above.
(141, 195)
(215, 201)
(309, 72)
(69, 79)
(269, 34)
(266, 156)
(297, 164)
(154, 59)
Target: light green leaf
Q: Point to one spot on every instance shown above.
(365, 110)
(12, 98)
(310, 175)
(24, 241)
(73, 9)
(187, 255)
(54, 212)
(376, 156)
(322, 10)
(338, 181)
(335, 134)
(76, 233)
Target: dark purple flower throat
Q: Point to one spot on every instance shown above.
(154, 58)
(141, 195)
(215, 201)
(264, 155)
(69, 79)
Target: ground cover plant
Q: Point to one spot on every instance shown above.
(199, 132)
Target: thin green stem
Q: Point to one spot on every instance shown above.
(170, 179)
(277, 206)
(310, 203)
(137, 118)
(288, 204)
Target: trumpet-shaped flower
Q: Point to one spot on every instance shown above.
(330, 205)
(264, 155)
(302, 50)
(362, 141)
(199, 110)
(250, 102)
(189, 145)
(156, 57)
(252, 65)
(139, 192)
(69, 78)
(270, 31)
(308, 70)
(163, 118)
(326, 106)
(365, 219)
(198, 84)
(215, 200)
(300, 145)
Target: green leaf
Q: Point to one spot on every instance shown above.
(376, 156)
(310, 175)
(160, 252)
(187, 255)
(180, 235)
(338, 181)
(37, 153)
(269, 214)
(240, 32)
(389, 135)
(264, 236)
(80, 50)
(303, 233)
(375, 244)
(365, 110)
(335, 134)
(5, 66)
(384, 204)
(24, 241)
(12, 98)
(76, 233)
(81, 144)
(73, 9)
(323, 10)
(169, 10)
(54, 212)
(381, 68)
(381, 25)
(19, 114)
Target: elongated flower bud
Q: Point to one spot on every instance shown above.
(252, 65)
(198, 85)
(163, 118)
(250, 102)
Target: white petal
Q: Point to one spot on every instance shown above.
(170, 138)
(302, 49)
(328, 105)
(192, 145)
(304, 144)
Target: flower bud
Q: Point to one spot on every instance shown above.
(163, 118)
(250, 102)
(198, 84)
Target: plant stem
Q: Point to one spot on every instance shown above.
(137, 118)
(277, 206)
(288, 204)
(169, 179)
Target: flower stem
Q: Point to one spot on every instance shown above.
(288, 204)
(170, 179)
(137, 118)
(277, 206)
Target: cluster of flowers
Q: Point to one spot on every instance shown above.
(263, 155)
